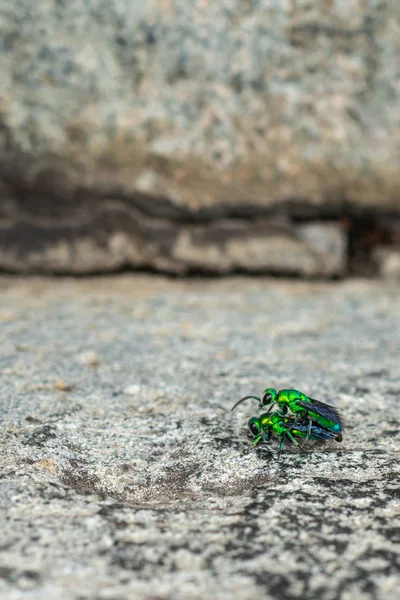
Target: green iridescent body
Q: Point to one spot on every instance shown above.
(285, 428)
(303, 407)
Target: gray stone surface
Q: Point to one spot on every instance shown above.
(124, 475)
(388, 261)
(207, 102)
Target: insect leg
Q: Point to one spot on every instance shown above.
(269, 410)
(267, 436)
(309, 429)
(281, 445)
(295, 442)
(296, 418)
(283, 410)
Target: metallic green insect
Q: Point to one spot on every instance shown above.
(285, 428)
(306, 409)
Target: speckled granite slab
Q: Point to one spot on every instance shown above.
(124, 475)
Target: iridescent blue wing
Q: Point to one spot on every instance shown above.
(322, 409)
(316, 433)
(335, 411)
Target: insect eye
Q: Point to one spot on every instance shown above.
(267, 398)
(254, 428)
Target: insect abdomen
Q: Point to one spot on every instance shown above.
(326, 423)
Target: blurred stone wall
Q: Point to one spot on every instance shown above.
(185, 135)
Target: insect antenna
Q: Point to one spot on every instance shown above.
(243, 399)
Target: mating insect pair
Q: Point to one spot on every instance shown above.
(311, 419)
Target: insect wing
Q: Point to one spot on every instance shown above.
(324, 410)
(316, 433)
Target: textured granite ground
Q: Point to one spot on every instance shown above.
(124, 475)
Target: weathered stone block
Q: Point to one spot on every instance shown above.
(388, 261)
(212, 104)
